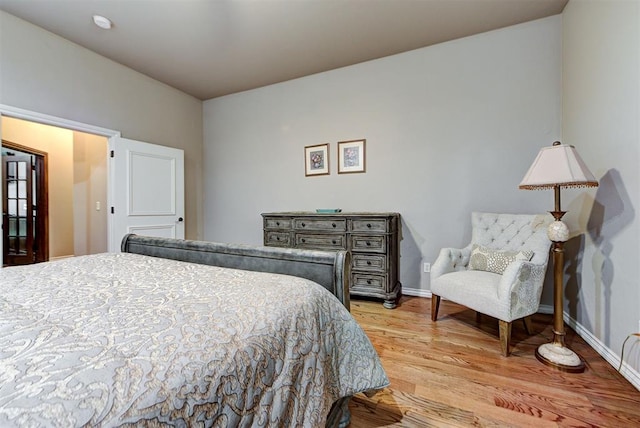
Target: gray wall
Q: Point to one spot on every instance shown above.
(450, 129)
(44, 73)
(601, 117)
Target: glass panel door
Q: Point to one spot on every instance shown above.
(18, 210)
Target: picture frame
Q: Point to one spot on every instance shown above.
(351, 156)
(316, 160)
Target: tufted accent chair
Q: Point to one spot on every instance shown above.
(509, 296)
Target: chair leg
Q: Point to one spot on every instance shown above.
(435, 305)
(527, 325)
(505, 337)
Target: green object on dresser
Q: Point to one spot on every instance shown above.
(372, 238)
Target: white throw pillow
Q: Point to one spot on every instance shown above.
(490, 260)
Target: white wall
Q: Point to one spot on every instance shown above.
(601, 117)
(42, 72)
(450, 129)
(90, 209)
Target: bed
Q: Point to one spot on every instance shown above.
(182, 333)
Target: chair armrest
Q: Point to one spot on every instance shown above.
(521, 285)
(450, 260)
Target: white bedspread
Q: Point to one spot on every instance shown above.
(112, 339)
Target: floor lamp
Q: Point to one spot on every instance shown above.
(555, 167)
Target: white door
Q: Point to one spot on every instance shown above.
(148, 190)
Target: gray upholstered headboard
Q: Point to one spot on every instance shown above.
(329, 269)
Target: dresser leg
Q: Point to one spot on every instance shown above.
(390, 303)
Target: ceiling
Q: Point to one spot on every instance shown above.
(210, 48)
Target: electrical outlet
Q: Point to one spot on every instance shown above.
(427, 268)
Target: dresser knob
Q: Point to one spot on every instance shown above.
(277, 223)
(333, 242)
(303, 240)
(303, 225)
(369, 225)
(368, 244)
(369, 281)
(333, 224)
(278, 238)
(368, 263)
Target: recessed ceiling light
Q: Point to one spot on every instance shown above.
(102, 22)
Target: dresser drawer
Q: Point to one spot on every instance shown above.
(367, 281)
(369, 262)
(334, 225)
(374, 244)
(277, 223)
(278, 239)
(369, 225)
(321, 242)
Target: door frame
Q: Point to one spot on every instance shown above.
(110, 134)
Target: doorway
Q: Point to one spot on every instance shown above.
(93, 206)
(25, 213)
(76, 187)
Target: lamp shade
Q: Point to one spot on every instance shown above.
(559, 165)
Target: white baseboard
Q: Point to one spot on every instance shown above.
(545, 309)
(610, 356)
(418, 292)
(60, 257)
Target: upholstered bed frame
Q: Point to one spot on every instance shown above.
(329, 269)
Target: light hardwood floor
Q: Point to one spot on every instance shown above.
(451, 374)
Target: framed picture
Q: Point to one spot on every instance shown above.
(351, 156)
(316, 160)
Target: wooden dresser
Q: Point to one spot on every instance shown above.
(372, 238)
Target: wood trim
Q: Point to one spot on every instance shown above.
(15, 146)
(43, 202)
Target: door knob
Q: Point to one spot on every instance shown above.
(180, 219)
